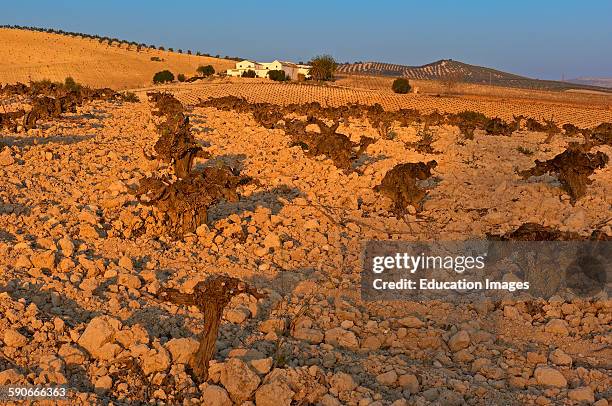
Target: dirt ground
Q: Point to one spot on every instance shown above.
(79, 277)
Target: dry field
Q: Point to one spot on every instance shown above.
(572, 109)
(433, 87)
(86, 262)
(28, 55)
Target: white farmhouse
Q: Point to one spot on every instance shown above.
(292, 70)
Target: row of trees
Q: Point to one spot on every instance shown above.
(112, 40)
(165, 75)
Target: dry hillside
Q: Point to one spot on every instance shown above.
(28, 55)
(468, 73)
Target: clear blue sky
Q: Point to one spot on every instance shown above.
(537, 38)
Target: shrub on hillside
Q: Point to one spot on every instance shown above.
(207, 70)
(277, 75)
(70, 84)
(37, 85)
(181, 77)
(401, 85)
(249, 74)
(163, 76)
(156, 59)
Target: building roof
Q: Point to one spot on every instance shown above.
(283, 63)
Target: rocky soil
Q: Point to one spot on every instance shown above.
(81, 262)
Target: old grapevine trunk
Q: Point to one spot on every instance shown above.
(210, 296)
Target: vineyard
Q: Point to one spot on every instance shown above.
(203, 244)
(283, 94)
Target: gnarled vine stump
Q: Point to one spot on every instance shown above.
(210, 296)
(572, 167)
(184, 203)
(400, 185)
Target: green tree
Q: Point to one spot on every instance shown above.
(249, 74)
(401, 85)
(323, 67)
(277, 75)
(163, 76)
(207, 70)
(181, 77)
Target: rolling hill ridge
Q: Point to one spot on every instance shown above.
(464, 72)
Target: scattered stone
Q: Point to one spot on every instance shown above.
(155, 361)
(276, 393)
(387, 378)
(272, 241)
(371, 343)
(511, 312)
(450, 398)
(214, 395)
(262, 366)
(239, 380)
(6, 157)
(559, 357)
(272, 325)
(129, 280)
(546, 376)
(9, 376)
(517, 382)
(431, 394)
(584, 394)
(340, 337)
(459, 341)
(103, 384)
(126, 263)
(411, 322)
(99, 331)
(182, 349)
(23, 262)
(342, 382)
(67, 246)
(71, 355)
(329, 400)
(13, 338)
(44, 259)
(237, 315)
(557, 326)
(310, 335)
(409, 382)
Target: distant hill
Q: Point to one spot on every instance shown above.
(601, 82)
(468, 73)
